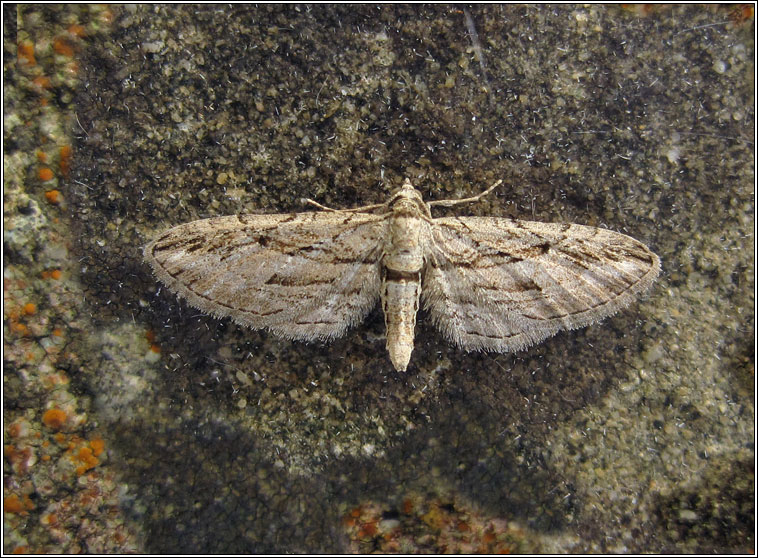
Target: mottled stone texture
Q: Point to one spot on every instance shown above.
(633, 436)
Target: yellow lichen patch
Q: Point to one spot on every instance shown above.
(435, 517)
(54, 418)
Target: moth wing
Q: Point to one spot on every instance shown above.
(303, 275)
(502, 285)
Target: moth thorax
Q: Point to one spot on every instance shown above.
(405, 251)
(409, 202)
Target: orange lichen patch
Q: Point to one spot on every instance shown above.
(72, 68)
(49, 519)
(63, 47)
(51, 274)
(60, 438)
(54, 418)
(41, 156)
(19, 328)
(155, 348)
(741, 13)
(42, 82)
(368, 529)
(57, 332)
(18, 428)
(97, 445)
(12, 504)
(407, 506)
(55, 379)
(30, 308)
(87, 460)
(26, 52)
(437, 525)
(488, 537)
(45, 174)
(106, 16)
(643, 10)
(77, 30)
(53, 196)
(65, 159)
(22, 549)
(150, 336)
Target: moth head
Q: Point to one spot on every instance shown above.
(408, 200)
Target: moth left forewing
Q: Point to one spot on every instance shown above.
(501, 284)
(302, 275)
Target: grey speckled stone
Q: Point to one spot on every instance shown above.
(594, 115)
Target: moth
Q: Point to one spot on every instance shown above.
(488, 283)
